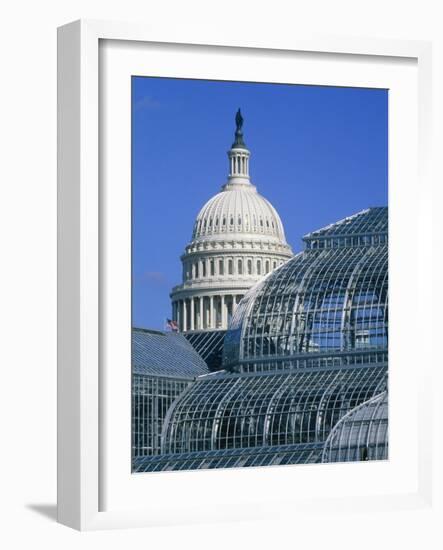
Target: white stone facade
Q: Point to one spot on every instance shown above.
(238, 238)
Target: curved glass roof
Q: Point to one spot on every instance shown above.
(224, 411)
(165, 354)
(306, 359)
(361, 227)
(209, 345)
(362, 434)
(330, 298)
(231, 458)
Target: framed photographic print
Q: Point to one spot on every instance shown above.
(232, 220)
(261, 354)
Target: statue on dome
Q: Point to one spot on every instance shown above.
(239, 120)
(238, 131)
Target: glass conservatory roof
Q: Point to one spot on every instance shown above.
(165, 354)
(305, 358)
(372, 221)
(277, 455)
(325, 300)
(209, 345)
(362, 434)
(227, 410)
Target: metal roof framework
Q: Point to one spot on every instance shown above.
(307, 347)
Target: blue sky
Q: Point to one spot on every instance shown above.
(318, 154)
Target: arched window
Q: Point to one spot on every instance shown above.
(212, 268)
(204, 268)
(231, 221)
(230, 267)
(274, 265)
(221, 270)
(267, 266)
(224, 221)
(240, 267)
(249, 267)
(196, 270)
(239, 220)
(258, 267)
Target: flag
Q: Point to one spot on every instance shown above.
(172, 325)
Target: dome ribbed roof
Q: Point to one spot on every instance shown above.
(238, 210)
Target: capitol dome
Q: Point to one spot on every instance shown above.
(239, 211)
(237, 238)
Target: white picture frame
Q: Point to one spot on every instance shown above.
(84, 474)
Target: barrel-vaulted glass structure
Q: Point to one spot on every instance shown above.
(327, 305)
(362, 434)
(163, 365)
(305, 363)
(241, 411)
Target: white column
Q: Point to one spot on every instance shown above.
(227, 309)
(207, 312)
(224, 312)
(201, 324)
(185, 316)
(192, 314)
(211, 312)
